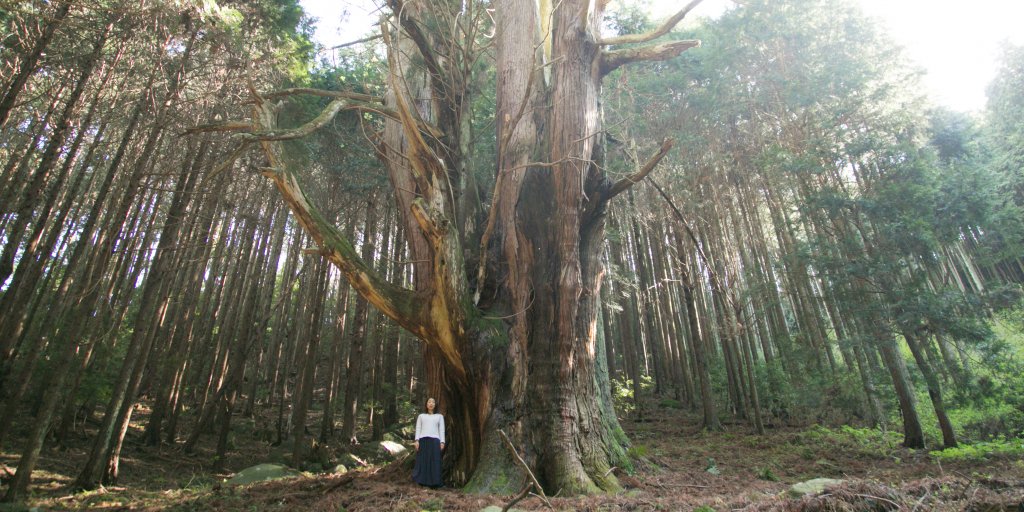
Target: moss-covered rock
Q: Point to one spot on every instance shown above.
(816, 486)
(376, 453)
(391, 449)
(262, 472)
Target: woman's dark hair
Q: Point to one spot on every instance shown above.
(429, 398)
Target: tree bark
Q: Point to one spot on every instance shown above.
(30, 196)
(913, 435)
(307, 370)
(354, 372)
(697, 343)
(934, 390)
(30, 61)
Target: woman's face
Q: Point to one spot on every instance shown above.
(430, 405)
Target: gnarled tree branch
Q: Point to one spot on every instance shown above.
(309, 91)
(612, 60)
(656, 33)
(420, 40)
(432, 212)
(307, 129)
(422, 159)
(359, 102)
(400, 304)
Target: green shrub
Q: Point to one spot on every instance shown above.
(867, 441)
(987, 420)
(982, 450)
(766, 473)
(637, 451)
(433, 504)
(668, 403)
(712, 467)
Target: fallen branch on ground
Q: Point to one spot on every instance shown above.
(345, 480)
(533, 483)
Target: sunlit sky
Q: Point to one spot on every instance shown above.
(957, 43)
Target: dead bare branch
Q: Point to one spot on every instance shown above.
(393, 300)
(229, 161)
(656, 33)
(715, 279)
(614, 59)
(519, 460)
(318, 122)
(519, 497)
(623, 184)
(225, 126)
(309, 91)
(357, 41)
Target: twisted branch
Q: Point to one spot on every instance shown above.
(654, 34)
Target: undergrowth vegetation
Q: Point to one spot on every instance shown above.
(982, 450)
(985, 404)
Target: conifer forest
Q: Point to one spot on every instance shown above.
(700, 262)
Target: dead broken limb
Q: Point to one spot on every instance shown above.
(533, 483)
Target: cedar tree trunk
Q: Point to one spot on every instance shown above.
(505, 296)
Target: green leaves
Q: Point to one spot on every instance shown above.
(211, 11)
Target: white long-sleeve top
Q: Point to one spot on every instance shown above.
(430, 425)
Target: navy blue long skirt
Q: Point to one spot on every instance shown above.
(428, 463)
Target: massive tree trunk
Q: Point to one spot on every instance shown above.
(509, 333)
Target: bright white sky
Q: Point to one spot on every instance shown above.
(956, 43)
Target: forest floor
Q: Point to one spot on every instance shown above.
(680, 468)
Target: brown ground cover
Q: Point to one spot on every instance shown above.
(679, 468)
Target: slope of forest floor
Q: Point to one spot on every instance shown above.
(680, 468)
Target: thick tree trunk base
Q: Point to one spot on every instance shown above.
(496, 473)
(566, 458)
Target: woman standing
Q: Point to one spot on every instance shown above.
(429, 443)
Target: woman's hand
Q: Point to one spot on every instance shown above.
(442, 446)
(417, 444)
